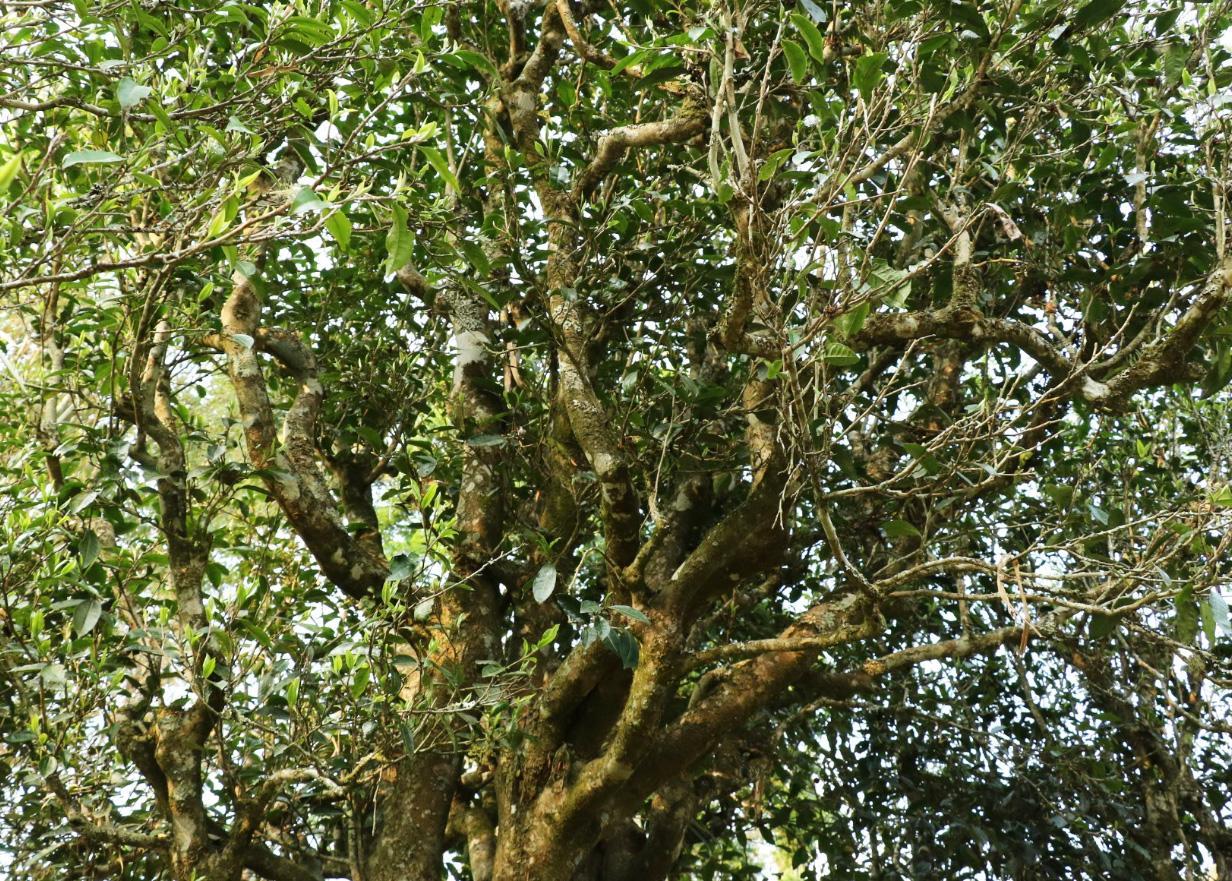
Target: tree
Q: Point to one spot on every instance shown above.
(585, 441)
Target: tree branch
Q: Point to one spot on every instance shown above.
(292, 473)
(613, 145)
(1162, 362)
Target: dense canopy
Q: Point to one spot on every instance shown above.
(615, 441)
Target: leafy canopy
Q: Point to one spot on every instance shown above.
(615, 441)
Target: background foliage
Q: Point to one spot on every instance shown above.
(829, 402)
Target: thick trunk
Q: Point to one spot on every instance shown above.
(411, 841)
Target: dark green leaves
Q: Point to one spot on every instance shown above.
(303, 31)
(1094, 13)
(625, 645)
(307, 200)
(401, 566)
(850, 322)
(469, 59)
(1103, 626)
(1219, 611)
(88, 548)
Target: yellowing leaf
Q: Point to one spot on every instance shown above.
(8, 171)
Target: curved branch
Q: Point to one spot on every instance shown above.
(614, 143)
(292, 473)
(1162, 362)
(583, 48)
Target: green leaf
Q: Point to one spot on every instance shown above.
(8, 171)
(89, 157)
(407, 732)
(130, 94)
(1176, 57)
(545, 583)
(88, 548)
(769, 168)
(900, 529)
(548, 637)
(399, 245)
(868, 73)
(86, 615)
(339, 226)
(438, 162)
(293, 690)
(630, 612)
(797, 61)
(659, 75)
(624, 644)
(309, 30)
(307, 200)
(850, 322)
(423, 610)
(1095, 12)
(466, 58)
(1222, 497)
(475, 256)
(222, 218)
(1102, 626)
(363, 675)
(630, 60)
(82, 500)
(812, 36)
(400, 566)
(921, 454)
(486, 440)
(840, 355)
(207, 666)
(235, 124)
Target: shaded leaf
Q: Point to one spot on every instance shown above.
(869, 73)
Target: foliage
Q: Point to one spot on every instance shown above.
(615, 441)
